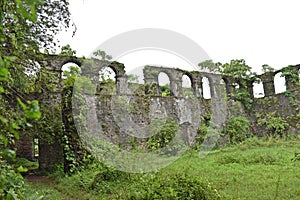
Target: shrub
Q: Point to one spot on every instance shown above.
(164, 136)
(275, 125)
(238, 129)
(153, 186)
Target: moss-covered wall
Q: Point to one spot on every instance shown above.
(146, 103)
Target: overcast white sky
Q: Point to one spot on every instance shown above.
(261, 32)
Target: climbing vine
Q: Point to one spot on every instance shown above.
(275, 124)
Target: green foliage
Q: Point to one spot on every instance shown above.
(238, 71)
(290, 73)
(248, 170)
(26, 26)
(102, 54)
(238, 129)
(69, 155)
(11, 182)
(67, 51)
(27, 164)
(267, 68)
(275, 124)
(210, 66)
(153, 186)
(296, 157)
(163, 136)
(165, 90)
(70, 76)
(201, 134)
(254, 158)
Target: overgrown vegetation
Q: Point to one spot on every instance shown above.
(265, 168)
(275, 124)
(239, 74)
(238, 129)
(244, 170)
(26, 26)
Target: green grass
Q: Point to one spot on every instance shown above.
(255, 169)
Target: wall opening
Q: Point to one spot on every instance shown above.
(107, 81)
(279, 83)
(69, 69)
(187, 90)
(36, 148)
(164, 84)
(258, 89)
(206, 92)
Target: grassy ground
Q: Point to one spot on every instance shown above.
(255, 169)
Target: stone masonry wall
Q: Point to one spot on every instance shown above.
(181, 109)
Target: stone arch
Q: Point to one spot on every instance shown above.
(107, 81)
(71, 60)
(258, 89)
(65, 68)
(206, 88)
(118, 68)
(164, 83)
(279, 83)
(187, 85)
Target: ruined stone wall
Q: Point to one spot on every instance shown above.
(149, 103)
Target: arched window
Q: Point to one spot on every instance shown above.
(258, 89)
(279, 83)
(187, 86)
(206, 88)
(69, 69)
(164, 84)
(107, 81)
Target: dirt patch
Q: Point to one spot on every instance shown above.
(39, 179)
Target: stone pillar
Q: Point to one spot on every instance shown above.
(250, 88)
(196, 86)
(268, 83)
(121, 84)
(212, 86)
(176, 87)
(151, 80)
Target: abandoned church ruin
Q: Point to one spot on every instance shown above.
(186, 106)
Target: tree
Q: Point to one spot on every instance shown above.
(26, 28)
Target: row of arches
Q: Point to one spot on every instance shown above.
(188, 89)
(108, 75)
(187, 83)
(278, 81)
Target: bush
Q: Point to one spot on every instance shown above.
(164, 136)
(11, 182)
(153, 186)
(274, 123)
(238, 129)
